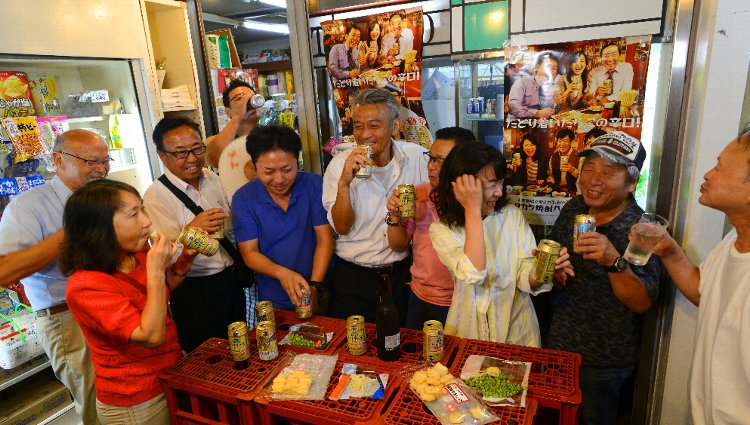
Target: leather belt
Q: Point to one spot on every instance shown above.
(384, 269)
(52, 310)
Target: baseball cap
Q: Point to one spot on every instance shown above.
(617, 147)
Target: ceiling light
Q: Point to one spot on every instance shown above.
(253, 25)
(277, 3)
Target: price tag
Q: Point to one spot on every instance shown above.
(99, 96)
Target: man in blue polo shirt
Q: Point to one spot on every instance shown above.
(280, 224)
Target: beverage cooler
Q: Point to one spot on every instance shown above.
(42, 97)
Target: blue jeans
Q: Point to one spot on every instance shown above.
(420, 311)
(601, 393)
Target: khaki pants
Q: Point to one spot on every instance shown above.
(66, 348)
(150, 412)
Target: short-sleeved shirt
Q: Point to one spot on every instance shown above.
(286, 238)
(30, 218)
(108, 307)
(587, 318)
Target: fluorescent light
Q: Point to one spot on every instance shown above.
(253, 25)
(277, 3)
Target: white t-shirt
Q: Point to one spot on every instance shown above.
(720, 376)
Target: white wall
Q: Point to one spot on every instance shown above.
(717, 86)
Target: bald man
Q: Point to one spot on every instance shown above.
(30, 237)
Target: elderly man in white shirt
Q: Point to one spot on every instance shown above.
(357, 208)
(619, 73)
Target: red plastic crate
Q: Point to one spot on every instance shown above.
(554, 377)
(284, 319)
(205, 388)
(323, 412)
(411, 348)
(408, 409)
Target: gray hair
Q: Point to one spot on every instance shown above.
(633, 172)
(376, 97)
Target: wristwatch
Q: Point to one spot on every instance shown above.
(620, 265)
(388, 220)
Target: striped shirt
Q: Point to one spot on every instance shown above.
(492, 304)
(531, 171)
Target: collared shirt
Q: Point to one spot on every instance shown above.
(622, 79)
(492, 304)
(366, 243)
(430, 279)
(30, 218)
(340, 60)
(587, 318)
(169, 215)
(528, 95)
(286, 238)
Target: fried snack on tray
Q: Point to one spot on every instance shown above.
(297, 382)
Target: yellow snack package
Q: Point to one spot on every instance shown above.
(45, 95)
(15, 96)
(25, 137)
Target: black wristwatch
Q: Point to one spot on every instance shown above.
(388, 220)
(620, 265)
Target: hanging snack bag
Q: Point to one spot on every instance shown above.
(15, 95)
(25, 137)
(45, 95)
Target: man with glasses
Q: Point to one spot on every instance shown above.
(30, 239)
(242, 120)
(356, 208)
(431, 283)
(209, 298)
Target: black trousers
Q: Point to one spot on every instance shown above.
(355, 289)
(203, 307)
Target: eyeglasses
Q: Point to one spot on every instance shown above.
(493, 185)
(200, 150)
(433, 159)
(89, 162)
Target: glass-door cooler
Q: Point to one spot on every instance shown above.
(480, 98)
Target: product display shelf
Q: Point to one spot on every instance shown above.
(13, 376)
(408, 409)
(284, 319)
(206, 388)
(324, 412)
(554, 377)
(63, 416)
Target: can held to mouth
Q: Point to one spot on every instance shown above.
(256, 102)
(304, 309)
(356, 338)
(408, 197)
(365, 171)
(544, 264)
(583, 223)
(238, 344)
(264, 312)
(433, 343)
(199, 240)
(266, 334)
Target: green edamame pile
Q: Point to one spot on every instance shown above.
(494, 386)
(300, 341)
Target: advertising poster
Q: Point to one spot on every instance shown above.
(382, 50)
(562, 96)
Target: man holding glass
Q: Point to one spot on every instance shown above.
(720, 287)
(595, 311)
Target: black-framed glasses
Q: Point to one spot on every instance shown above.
(89, 162)
(200, 150)
(433, 159)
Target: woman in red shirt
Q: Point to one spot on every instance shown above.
(118, 293)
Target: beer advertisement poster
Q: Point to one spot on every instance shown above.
(383, 50)
(560, 98)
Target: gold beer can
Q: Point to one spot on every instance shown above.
(583, 223)
(433, 342)
(264, 312)
(365, 171)
(544, 264)
(356, 338)
(199, 240)
(408, 197)
(266, 333)
(305, 307)
(238, 345)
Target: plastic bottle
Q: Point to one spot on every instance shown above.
(387, 328)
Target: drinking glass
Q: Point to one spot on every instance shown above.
(648, 231)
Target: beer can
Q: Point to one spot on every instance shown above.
(304, 309)
(433, 343)
(356, 338)
(365, 171)
(264, 312)
(199, 240)
(238, 345)
(266, 333)
(408, 197)
(583, 223)
(544, 264)
(256, 102)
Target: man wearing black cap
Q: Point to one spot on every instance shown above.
(596, 311)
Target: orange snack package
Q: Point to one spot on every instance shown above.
(25, 137)
(15, 95)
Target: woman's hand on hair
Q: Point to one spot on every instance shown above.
(468, 192)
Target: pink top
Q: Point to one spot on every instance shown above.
(430, 279)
